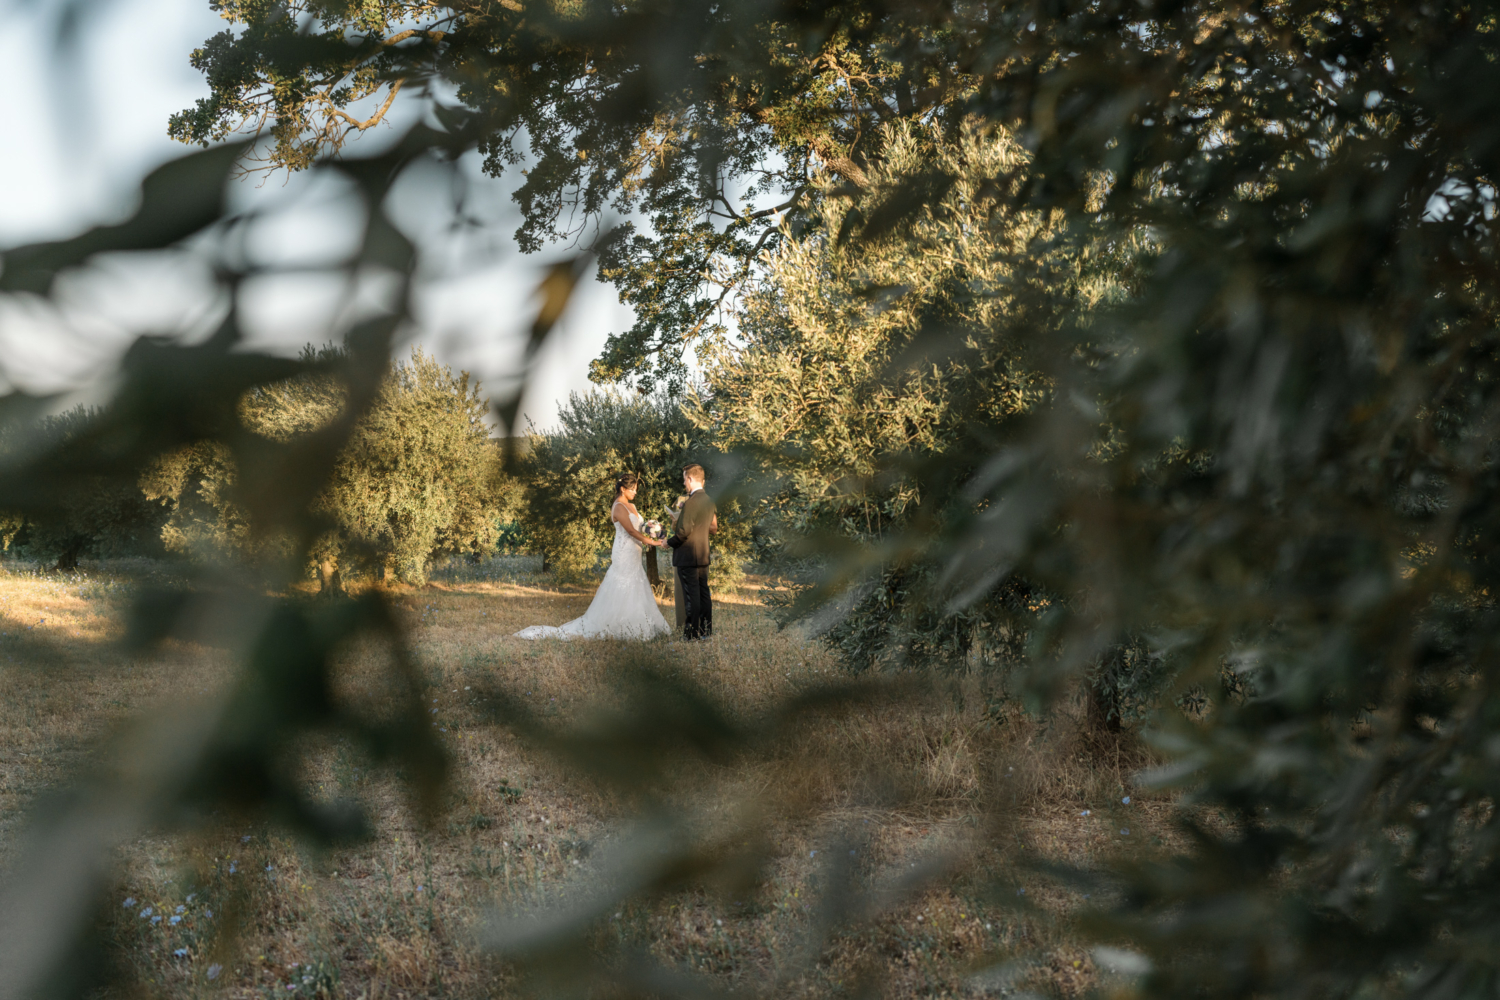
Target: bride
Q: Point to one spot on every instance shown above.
(623, 607)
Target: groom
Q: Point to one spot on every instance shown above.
(693, 524)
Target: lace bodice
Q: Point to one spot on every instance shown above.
(636, 520)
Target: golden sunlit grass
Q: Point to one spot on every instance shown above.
(951, 771)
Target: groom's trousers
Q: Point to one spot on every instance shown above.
(692, 584)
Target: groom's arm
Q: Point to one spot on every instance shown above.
(681, 526)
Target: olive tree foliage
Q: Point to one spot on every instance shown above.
(710, 166)
(1275, 460)
(419, 475)
(873, 376)
(570, 478)
(102, 519)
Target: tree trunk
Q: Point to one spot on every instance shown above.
(330, 583)
(652, 573)
(67, 559)
(1103, 707)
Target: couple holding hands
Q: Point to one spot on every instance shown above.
(624, 606)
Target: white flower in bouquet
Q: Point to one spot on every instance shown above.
(653, 529)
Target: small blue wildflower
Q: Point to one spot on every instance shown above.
(1125, 800)
(419, 888)
(209, 914)
(812, 854)
(180, 953)
(175, 921)
(1124, 831)
(214, 970)
(129, 902)
(146, 912)
(270, 867)
(1085, 812)
(156, 919)
(180, 909)
(192, 896)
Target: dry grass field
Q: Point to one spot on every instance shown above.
(948, 782)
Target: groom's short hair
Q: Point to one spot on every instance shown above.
(694, 471)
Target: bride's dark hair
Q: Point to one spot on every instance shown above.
(624, 483)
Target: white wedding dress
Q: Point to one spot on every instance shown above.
(623, 607)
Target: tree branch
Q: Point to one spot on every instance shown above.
(374, 119)
(839, 163)
(789, 203)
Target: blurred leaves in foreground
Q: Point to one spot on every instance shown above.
(1266, 469)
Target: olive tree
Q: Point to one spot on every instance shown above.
(102, 517)
(419, 475)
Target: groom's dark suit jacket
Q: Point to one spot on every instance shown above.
(690, 541)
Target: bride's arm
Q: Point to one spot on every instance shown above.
(624, 522)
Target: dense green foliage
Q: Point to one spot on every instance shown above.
(1269, 473)
(874, 374)
(102, 518)
(418, 477)
(570, 477)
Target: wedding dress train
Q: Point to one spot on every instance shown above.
(623, 607)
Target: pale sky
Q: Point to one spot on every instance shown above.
(76, 145)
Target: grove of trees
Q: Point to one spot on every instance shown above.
(420, 478)
(105, 517)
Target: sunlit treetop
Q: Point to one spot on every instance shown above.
(701, 125)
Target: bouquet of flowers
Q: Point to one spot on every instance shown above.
(654, 530)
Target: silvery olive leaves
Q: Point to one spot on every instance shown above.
(1213, 400)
